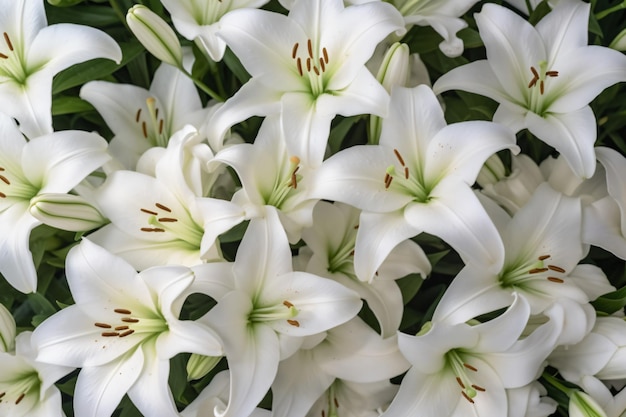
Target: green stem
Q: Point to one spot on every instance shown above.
(605, 13)
(118, 11)
(557, 384)
(203, 86)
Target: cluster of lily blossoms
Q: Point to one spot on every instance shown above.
(270, 251)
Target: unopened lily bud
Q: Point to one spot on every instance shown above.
(66, 212)
(200, 365)
(582, 405)
(394, 70)
(64, 3)
(7, 330)
(492, 171)
(155, 35)
(619, 43)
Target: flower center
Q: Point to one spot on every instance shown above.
(524, 274)
(129, 324)
(161, 220)
(286, 183)
(15, 186)
(333, 404)
(538, 82)
(284, 311)
(464, 372)
(12, 64)
(153, 128)
(13, 392)
(405, 181)
(342, 260)
(312, 65)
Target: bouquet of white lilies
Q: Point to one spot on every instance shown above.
(312, 208)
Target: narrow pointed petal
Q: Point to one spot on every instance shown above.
(467, 145)
(253, 98)
(364, 95)
(499, 334)
(264, 252)
(464, 226)
(566, 29)
(378, 235)
(60, 161)
(513, 46)
(150, 393)
(601, 226)
(356, 176)
(31, 106)
(414, 113)
(615, 165)
(93, 272)
(188, 336)
(65, 44)
(298, 384)
(306, 123)
(16, 260)
(321, 303)
(263, 41)
(100, 389)
(252, 351)
(572, 134)
(476, 77)
(433, 395)
(583, 74)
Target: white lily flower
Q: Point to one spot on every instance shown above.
(461, 369)
(417, 180)
(53, 163)
(542, 248)
(200, 21)
(543, 77)
(582, 404)
(124, 329)
(140, 118)
(309, 66)
(264, 308)
(442, 15)
(331, 242)
(31, 53)
(27, 385)
(160, 220)
(352, 352)
(270, 176)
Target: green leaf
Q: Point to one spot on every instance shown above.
(409, 286)
(96, 16)
(69, 105)
(94, 69)
(611, 302)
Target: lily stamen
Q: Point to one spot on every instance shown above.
(103, 325)
(294, 50)
(138, 115)
(122, 311)
(470, 367)
(467, 397)
(543, 257)
(556, 268)
(294, 323)
(127, 333)
(537, 270)
(5, 180)
(478, 388)
(167, 219)
(397, 153)
(162, 207)
(8, 41)
(110, 334)
(22, 395)
(460, 382)
(154, 213)
(555, 279)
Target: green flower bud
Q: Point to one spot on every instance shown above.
(64, 3)
(492, 171)
(582, 405)
(619, 43)
(66, 212)
(155, 35)
(200, 365)
(7, 330)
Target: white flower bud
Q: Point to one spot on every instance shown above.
(155, 35)
(619, 43)
(491, 172)
(66, 212)
(200, 365)
(582, 405)
(7, 330)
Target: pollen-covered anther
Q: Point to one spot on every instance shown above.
(118, 328)
(5, 180)
(535, 77)
(152, 229)
(103, 325)
(543, 257)
(110, 334)
(3, 195)
(287, 304)
(400, 159)
(556, 268)
(294, 323)
(22, 395)
(163, 207)
(336, 402)
(478, 388)
(167, 219)
(470, 367)
(555, 279)
(127, 333)
(122, 311)
(537, 270)
(467, 397)
(458, 379)
(130, 320)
